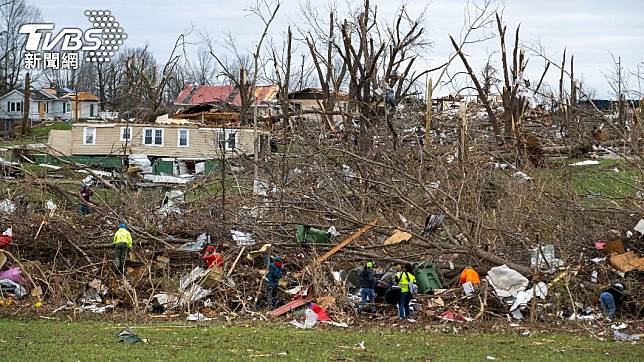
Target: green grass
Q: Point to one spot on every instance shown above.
(600, 183)
(37, 134)
(37, 340)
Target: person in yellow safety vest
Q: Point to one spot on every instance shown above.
(404, 278)
(122, 244)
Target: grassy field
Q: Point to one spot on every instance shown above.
(37, 134)
(38, 340)
(601, 184)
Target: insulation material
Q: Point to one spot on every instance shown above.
(397, 237)
(626, 262)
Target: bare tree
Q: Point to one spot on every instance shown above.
(13, 13)
(282, 65)
(324, 58)
(242, 71)
(202, 71)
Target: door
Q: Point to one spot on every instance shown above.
(42, 109)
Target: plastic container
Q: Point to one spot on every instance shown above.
(306, 234)
(427, 278)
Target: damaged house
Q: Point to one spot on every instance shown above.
(221, 103)
(312, 99)
(174, 146)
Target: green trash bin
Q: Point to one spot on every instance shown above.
(306, 234)
(427, 277)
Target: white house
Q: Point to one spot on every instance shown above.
(84, 105)
(49, 104)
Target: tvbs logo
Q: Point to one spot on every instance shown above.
(100, 42)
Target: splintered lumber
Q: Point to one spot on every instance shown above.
(345, 242)
(289, 307)
(397, 237)
(236, 260)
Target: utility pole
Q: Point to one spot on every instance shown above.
(25, 106)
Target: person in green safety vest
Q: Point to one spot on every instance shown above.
(122, 244)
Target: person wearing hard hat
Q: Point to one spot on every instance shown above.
(367, 285)
(122, 244)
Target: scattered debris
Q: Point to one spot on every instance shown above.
(505, 281)
(626, 262)
(397, 237)
(310, 320)
(197, 317)
(639, 227)
(585, 163)
(619, 336)
(197, 245)
(242, 238)
(432, 222)
(128, 336)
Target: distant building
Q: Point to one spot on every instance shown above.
(312, 99)
(47, 104)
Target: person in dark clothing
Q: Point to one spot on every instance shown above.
(367, 285)
(611, 298)
(272, 279)
(85, 194)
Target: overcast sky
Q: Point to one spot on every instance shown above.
(588, 28)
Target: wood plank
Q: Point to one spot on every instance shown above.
(346, 242)
(289, 307)
(397, 237)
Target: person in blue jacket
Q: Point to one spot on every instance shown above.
(271, 279)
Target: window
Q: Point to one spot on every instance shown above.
(67, 107)
(91, 110)
(89, 136)
(126, 134)
(228, 139)
(15, 106)
(183, 138)
(153, 137)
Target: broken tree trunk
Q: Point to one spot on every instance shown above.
(481, 93)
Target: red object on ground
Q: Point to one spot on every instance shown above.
(5, 241)
(451, 317)
(289, 307)
(322, 316)
(213, 259)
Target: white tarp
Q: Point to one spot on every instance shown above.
(506, 282)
